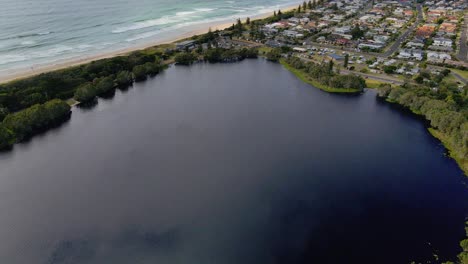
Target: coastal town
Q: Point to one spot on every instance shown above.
(383, 41)
(269, 138)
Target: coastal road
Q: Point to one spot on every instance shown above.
(405, 35)
(463, 51)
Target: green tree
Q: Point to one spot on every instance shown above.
(274, 55)
(419, 79)
(330, 66)
(3, 112)
(389, 69)
(25, 123)
(7, 138)
(346, 61)
(185, 58)
(304, 6)
(356, 32)
(103, 85)
(139, 72)
(239, 24)
(85, 92)
(124, 78)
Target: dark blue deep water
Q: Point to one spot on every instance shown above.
(231, 163)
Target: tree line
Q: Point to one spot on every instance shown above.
(33, 104)
(324, 74)
(63, 84)
(214, 55)
(21, 125)
(446, 108)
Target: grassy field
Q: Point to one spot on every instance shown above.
(305, 78)
(463, 74)
(374, 84)
(158, 49)
(72, 102)
(451, 78)
(264, 50)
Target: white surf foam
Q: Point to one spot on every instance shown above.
(179, 17)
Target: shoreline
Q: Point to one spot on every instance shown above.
(26, 72)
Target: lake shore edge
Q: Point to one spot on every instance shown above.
(437, 134)
(303, 77)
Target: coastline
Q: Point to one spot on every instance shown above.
(26, 72)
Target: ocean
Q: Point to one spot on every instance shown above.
(34, 33)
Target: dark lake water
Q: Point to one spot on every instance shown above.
(231, 163)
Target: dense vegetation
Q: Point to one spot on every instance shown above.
(185, 58)
(445, 107)
(63, 84)
(322, 76)
(463, 256)
(215, 55)
(23, 124)
(228, 55)
(30, 105)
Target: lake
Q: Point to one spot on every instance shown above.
(231, 163)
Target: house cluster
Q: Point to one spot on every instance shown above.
(437, 35)
(359, 24)
(379, 24)
(322, 19)
(449, 5)
(409, 68)
(220, 41)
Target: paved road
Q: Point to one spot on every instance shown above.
(373, 77)
(403, 36)
(459, 77)
(463, 51)
(456, 75)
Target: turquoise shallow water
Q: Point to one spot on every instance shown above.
(38, 32)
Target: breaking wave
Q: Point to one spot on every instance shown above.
(179, 17)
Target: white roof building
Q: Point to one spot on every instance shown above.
(442, 42)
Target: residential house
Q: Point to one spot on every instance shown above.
(188, 44)
(371, 45)
(343, 30)
(438, 57)
(442, 42)
(426, 30)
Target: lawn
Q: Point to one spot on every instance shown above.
(374, 84)
(462, 73)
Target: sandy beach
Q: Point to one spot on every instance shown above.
(21, 73)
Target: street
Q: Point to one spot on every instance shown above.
(463, 51)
